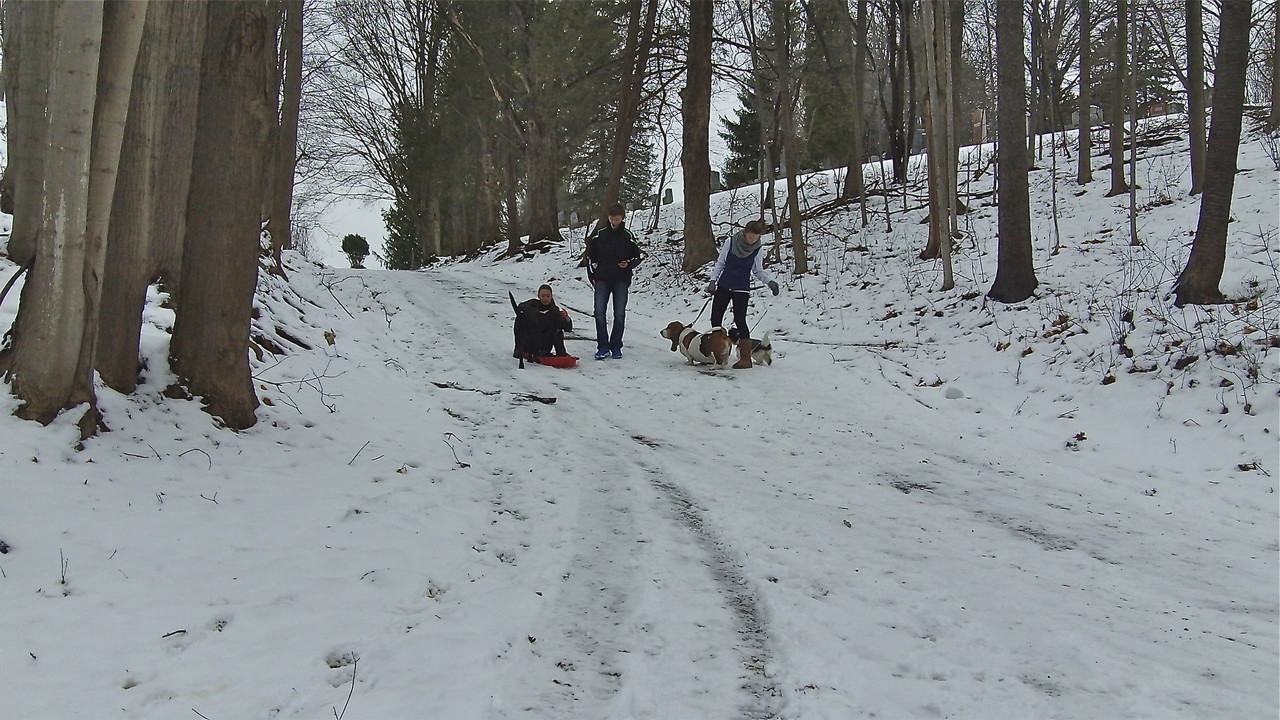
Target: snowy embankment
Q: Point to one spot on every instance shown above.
(929, 506)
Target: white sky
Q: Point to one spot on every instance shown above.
(928, 506)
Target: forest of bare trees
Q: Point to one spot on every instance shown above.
(189, 143)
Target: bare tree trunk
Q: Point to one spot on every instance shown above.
(938, 124)
(695, 97)
(1084, 162)
(1195, 92)
(540, 176)
(210, 348)
(1015, 274)
(28, 29)
(635, 56)
(1120, 52)
(50, 334)
(280, 218)
(855, 185)
(148, 214)
(1273, 119)
(940, 127)
(512, 202)
(782, 26)
(899, 142)
(122, 27)
(1198, 283)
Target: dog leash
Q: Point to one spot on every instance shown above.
(708, 302)
(704, 309)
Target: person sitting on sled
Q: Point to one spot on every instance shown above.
(549, 325)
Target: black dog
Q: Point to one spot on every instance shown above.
(537, 332)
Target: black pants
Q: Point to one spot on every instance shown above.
(720, 303)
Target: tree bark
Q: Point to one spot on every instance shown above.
(122, 29)
(49, 333)
(855, 183)
(280, 219)
(1120, 52)
(220, 255)
(1195, 92)
(1198, 283)
(1084, 161)
(635, 58)
(1273, 119)
(695, 106)
(27, 38)
(541, 158)
(148, 213)
(782, 26)
(1015, 279)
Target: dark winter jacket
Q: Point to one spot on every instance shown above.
(609, 246)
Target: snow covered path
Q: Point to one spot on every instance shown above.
(414, 530)
(816, 539)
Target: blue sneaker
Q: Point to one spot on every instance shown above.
(603, 353)
(617, 354)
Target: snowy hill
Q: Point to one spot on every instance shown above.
(929, 506)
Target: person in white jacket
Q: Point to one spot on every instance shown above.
(740, 259)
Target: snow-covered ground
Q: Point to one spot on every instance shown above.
(929, 506)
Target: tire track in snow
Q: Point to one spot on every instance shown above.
(754, 650)
(635, 583)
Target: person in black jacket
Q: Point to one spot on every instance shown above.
(612, 253)
(546, 325)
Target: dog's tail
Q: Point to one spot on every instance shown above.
(516, 309)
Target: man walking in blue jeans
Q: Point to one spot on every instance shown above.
(612, 253)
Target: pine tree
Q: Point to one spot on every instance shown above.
(743, 138)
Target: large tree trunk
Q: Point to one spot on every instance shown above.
(1084, 161)
(1273, 119)
(49, 330)
(787, 130)
(541, 178)
(122, 28)
(1195, 92)
(280, 218)
(1198, 283)
(855, 183)
(635, 58)
(695, 106)
(148, 215)
(511, 202)
(1120, 53)
(938, 123)
(220, 255)
(1015, 275)
(27, 38)
(899, 71)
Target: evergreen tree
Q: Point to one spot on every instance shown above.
(400, 251)
(588, 175)
(356, 249)
(828, 122)
(743, 138)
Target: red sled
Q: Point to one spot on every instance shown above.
(558, 361)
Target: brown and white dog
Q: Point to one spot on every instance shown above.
(712, 348)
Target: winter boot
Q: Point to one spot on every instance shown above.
(744, 354)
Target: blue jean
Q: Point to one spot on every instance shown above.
(617, 289)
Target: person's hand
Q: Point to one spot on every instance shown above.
(773, 287)
(564, 313)
(623, 264)
(711, 288)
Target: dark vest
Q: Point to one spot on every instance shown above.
(737, 270)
